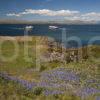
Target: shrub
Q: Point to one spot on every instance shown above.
(38, 90)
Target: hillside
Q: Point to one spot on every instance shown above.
(24, 78)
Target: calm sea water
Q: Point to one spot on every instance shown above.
(84, 32)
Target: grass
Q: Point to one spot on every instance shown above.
(19, 63)
(26, 70)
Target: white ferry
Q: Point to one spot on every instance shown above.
(28, 27)
(53, 27)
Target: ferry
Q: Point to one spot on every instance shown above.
(28, 27)
(53, 27)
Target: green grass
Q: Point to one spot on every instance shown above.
(19, 63)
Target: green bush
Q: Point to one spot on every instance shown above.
(38, 90)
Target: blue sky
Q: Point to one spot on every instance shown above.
(50, 9)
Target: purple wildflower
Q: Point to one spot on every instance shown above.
(86, 91)
(24, 83)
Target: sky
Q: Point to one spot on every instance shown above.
(85, 10)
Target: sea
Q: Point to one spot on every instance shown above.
(87, 34)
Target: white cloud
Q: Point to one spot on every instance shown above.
(91, 14)
(66, 14)
(45, 12)
(13, 14)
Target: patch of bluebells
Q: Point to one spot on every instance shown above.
(60, 81)
(87, 91)
(61, 74)
(24, 83)
(93, 82)
(97, 97)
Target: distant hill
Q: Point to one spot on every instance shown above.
(13, 21)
